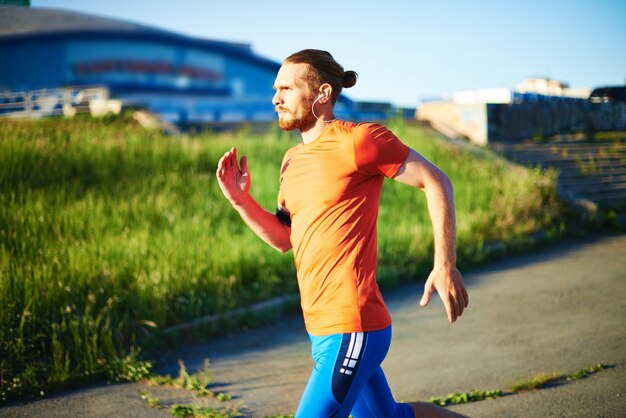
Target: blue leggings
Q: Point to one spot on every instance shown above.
(347, 378)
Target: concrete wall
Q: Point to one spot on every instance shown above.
(510, 122)
(456, 120)
(519, 121)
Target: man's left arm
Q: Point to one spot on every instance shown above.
(418, 172)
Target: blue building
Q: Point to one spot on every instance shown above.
(181, 78)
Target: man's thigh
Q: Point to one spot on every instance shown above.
(376, 401)
(343, 365)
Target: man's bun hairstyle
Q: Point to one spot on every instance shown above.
(349, 79)
(323, 69)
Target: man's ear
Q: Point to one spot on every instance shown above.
(326, 91)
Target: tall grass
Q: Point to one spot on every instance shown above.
(107, 228)
(496, 203)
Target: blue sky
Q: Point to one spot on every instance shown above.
(406, 50)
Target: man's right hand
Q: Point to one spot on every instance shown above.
(234, 182)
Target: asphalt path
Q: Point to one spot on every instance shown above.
(557, 310)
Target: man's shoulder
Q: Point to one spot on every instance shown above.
(359, 128)
(296, 149)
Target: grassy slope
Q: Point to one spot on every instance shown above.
(107, 228)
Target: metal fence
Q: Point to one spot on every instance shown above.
(65, 101)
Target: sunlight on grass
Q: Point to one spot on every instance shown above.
(110, 232)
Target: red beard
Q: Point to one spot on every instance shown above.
(303, 124)
(290, 121)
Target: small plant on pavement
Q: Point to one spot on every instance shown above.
(535, 382)
(465, 397)
(191, 411)
(196, 383)
(543, 379)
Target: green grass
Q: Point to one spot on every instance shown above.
(465, 397)
(544, 379)
(110, 232)
(195, 383)
(192, 411)
(535, 382)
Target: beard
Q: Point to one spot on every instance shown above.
(292, 123)
(301, 120)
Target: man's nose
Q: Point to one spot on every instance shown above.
(276, 100)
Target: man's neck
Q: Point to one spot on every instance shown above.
(316, 129)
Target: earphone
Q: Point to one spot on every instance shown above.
(319, 98)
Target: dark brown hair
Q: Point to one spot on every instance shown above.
(323, 69)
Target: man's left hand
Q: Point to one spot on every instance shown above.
(448, 283)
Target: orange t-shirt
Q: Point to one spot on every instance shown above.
(330, 188)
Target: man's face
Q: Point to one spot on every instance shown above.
(293, 98)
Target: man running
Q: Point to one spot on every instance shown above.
(328, 201)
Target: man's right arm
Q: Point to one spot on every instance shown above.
(235, 184)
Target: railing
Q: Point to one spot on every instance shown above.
(65, 101)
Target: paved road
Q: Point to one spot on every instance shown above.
(561, 309)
